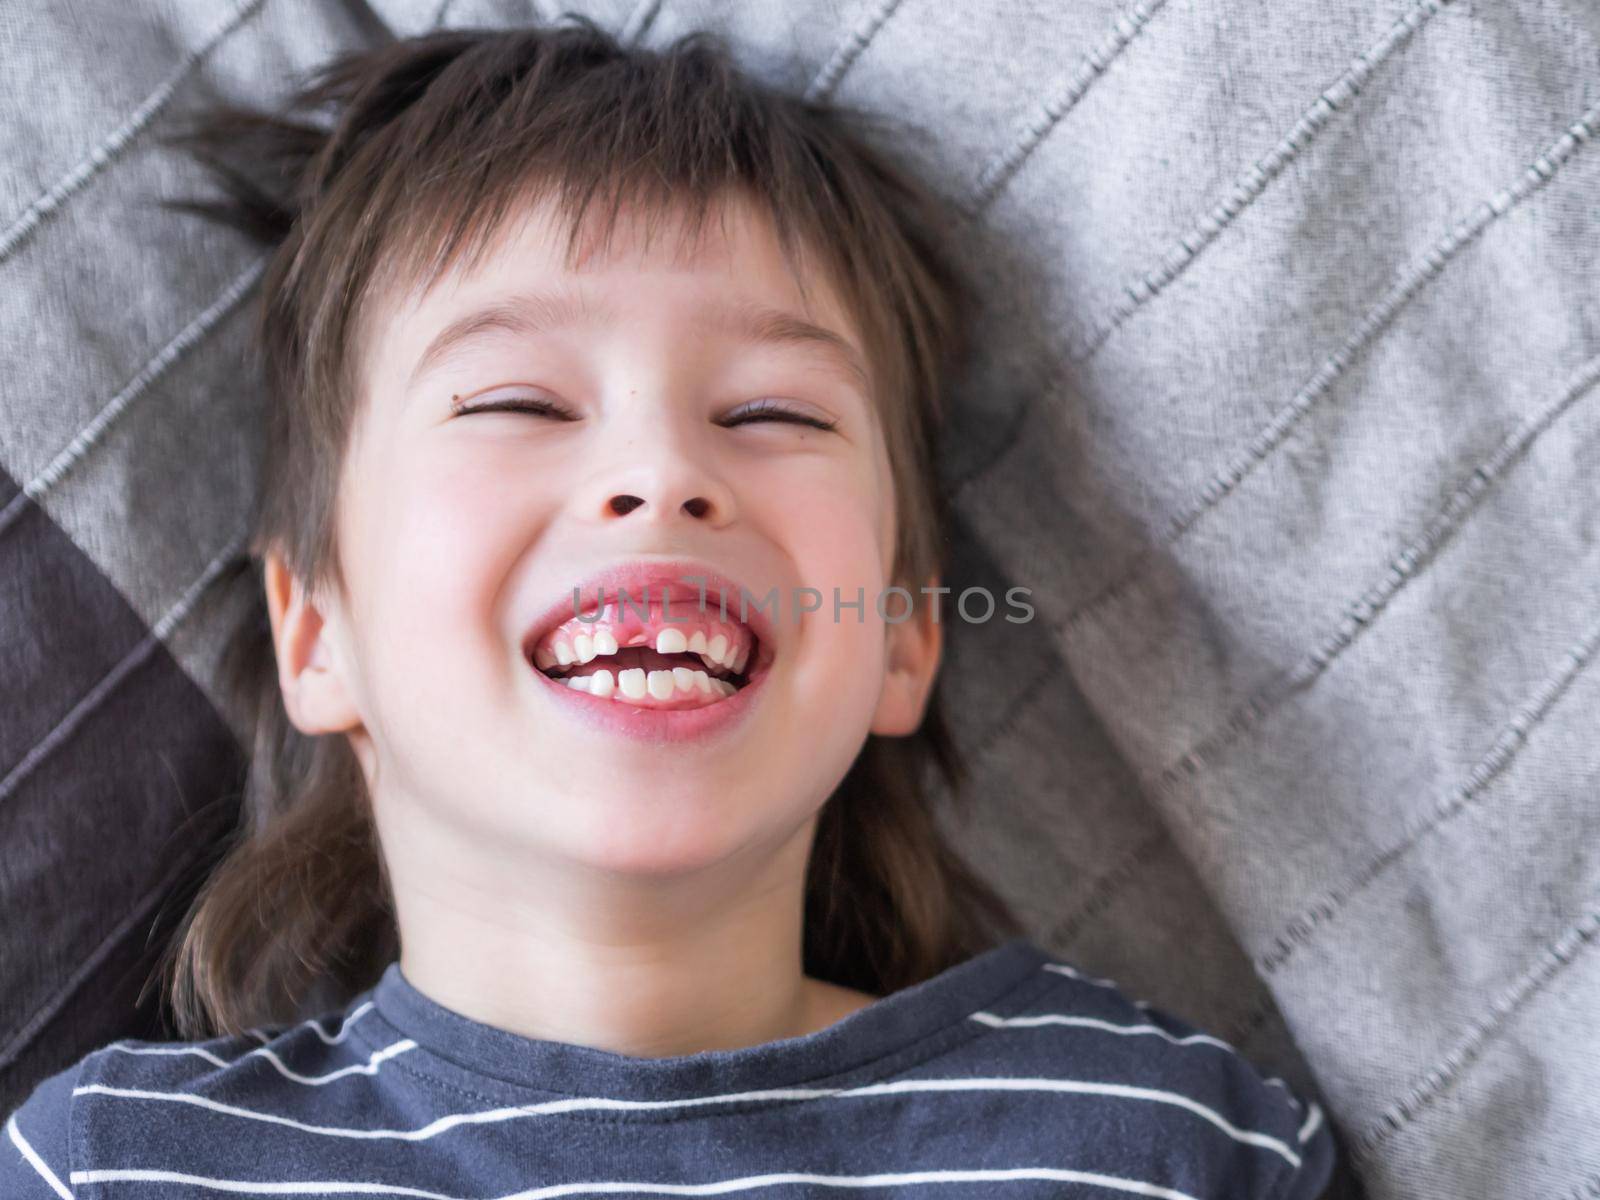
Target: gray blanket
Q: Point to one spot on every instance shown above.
(1286, 411)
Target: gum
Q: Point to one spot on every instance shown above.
(634, 631)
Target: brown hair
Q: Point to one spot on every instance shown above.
(433, 142)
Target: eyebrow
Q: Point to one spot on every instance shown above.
(528, 314)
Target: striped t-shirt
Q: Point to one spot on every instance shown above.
(1010, 1075)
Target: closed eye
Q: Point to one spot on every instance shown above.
(767, 410)
(531, 404)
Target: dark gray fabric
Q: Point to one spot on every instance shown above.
(114, 778)
(1286, 412)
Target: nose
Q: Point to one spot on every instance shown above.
(623, 503)
(660, 481)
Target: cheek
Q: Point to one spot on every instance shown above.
(826, 512)
(839, 538)
(832, 532)
(442, 536)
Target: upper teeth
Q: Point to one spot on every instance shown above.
(585, 648)
(719, 651)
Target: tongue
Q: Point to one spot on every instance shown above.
(637, 656)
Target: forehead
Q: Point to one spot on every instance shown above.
(729, 273)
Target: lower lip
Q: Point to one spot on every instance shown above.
(657, 724)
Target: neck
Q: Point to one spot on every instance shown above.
(647, 967)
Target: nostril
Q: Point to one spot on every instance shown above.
(696, 506)
(623, 505)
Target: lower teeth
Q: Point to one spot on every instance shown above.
(636, 686)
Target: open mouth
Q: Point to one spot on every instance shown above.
(650, 662)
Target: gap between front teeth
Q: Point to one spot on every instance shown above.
(585, 648)
(636, 683)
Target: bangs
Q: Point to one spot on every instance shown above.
(526, 120)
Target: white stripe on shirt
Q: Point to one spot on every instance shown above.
(370, 1067)
(1193, 1039)
(1074, 973)
(1311, 1124)
(576, 1104)
(723, 1186)
(38, 1164)
(332, 1039)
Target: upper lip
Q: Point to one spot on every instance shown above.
(662, 577)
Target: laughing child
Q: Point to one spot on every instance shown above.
(605, 897)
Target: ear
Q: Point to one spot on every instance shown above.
(912, 661)
(315, 692)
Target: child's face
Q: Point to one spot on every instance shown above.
(460, 531)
